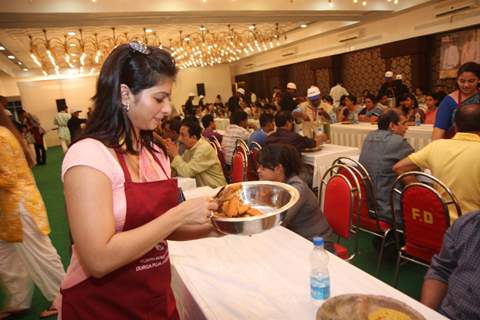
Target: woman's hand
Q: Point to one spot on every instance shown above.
(197, 210)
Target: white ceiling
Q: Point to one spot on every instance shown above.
(20, 18)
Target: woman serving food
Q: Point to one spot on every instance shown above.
(122, 203)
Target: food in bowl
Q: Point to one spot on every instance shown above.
(231, 205)
(366, 307)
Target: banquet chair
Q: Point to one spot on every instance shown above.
(339, 202)
(368, 220)
(255, 148)
(425, 217)
(218, 149)
(239, 162)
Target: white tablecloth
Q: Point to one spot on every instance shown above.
(353, 135)
(186, 183)
(222, 123)
(264, 276)
(321, 160)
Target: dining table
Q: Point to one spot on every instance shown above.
(353, 135)
(262, 276)
(322, 159)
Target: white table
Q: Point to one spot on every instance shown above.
(186, 183)
(353, 135)
(264, 276)
(222, 123)
(322, 159)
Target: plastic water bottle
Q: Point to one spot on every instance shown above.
(418, 119)
(319, 276)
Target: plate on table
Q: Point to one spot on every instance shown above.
(346, 122)
(251, 207)
(317, 148)
(366, 307)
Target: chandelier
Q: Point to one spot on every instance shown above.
(81, 52)
(205, 48)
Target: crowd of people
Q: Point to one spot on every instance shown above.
(123, 202)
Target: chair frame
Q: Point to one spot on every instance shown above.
(370, 192)
(241, 146)
(330, 173)
(395, 190)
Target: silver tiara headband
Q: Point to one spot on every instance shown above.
(139, 47)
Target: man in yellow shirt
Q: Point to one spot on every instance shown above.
(199, 161)
(456, 161)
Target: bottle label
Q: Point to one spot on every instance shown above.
(319, 287)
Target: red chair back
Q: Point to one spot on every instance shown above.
(252, 174)
(338, 204)
(425, 219)
(367, 213)
(218, 149)
(238, 167)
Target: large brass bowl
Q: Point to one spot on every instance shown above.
(272, 198)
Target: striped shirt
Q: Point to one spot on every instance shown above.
(457, 265)
(232, 134)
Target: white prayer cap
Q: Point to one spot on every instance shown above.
(291, 85)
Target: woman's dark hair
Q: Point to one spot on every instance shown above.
(108, 122)
(328, 98)
(472, 67)
(352, 98)
(279, 153)
(6, 122)
(405, 96)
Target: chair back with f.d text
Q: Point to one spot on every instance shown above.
(239, 162)
(340, 198)
(425, 214)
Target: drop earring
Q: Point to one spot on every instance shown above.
(126, 107)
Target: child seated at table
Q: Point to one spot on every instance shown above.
(281, 162)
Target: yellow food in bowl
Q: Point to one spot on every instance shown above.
(388, 314)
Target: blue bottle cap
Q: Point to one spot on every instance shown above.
(317, 241)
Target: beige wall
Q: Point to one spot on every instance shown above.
(38, 97)
(408, 24)
(8, 86)
(217, 80)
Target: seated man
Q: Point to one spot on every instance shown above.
(199, 160)
(381, 149)
(266, 126)
(282, 163)
(284, 134)
(210, 127)
(451, 284)
(454, 161)
(237, 129)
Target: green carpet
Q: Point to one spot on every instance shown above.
(50, 185)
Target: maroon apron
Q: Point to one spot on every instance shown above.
(141, 289)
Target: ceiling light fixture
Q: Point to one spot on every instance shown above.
(303, 25)
(148, 30)
(2, 48)
(11, 57)
(197, 49)
(25, 69)
(71, 33)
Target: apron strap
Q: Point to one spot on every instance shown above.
(123, 164)
(160, 164)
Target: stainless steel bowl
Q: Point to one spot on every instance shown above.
(273, 199)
